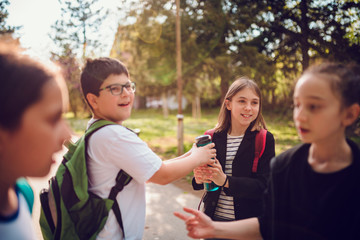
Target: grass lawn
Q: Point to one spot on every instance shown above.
(161, 133)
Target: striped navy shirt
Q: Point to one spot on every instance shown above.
(225, 207)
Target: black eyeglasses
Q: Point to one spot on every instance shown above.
(117, 89)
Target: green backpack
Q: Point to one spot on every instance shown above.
(68, 209)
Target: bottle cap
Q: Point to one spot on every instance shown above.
(203, 139)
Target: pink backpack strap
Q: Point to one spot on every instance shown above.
(260, 141)
(210, 132)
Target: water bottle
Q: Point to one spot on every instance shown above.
(202, 141)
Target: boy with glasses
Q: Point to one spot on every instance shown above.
(109, 92)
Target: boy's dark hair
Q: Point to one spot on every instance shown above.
(22, 80)
(96, 71)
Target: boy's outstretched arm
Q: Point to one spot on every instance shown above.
(179, 167)
(201, 226)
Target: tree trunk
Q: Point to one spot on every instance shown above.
(180, 117)
(196, 106)
(304, 25)
(273, 97)
(74, 110)
(224, 84)
(165, 106)
(139, 102)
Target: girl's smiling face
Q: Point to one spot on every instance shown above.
(244, 107)
(317, 111)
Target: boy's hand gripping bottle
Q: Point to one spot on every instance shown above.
(202, 141)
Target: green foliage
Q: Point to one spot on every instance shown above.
(282, 127)
(270, 41)
(4, 28)
(71, 73)
(78, 21)
(147, 46)
(212, 54)
(302, 31)
(78, 124)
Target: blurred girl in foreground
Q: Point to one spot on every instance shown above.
(31, 131)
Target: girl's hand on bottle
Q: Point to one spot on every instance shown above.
(201, 174)
(218, 176)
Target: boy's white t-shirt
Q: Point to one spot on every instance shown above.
(110, 149)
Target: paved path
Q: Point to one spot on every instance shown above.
(162, 201)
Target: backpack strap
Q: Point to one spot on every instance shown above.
(260, 140)
(97, 125)
(210, 132)
(122, 179)
(23, 186)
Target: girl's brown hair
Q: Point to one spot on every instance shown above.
(22, 84)
(344, 80)
(224, 118)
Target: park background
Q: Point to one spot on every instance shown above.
(187, 53)
(270, 41)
